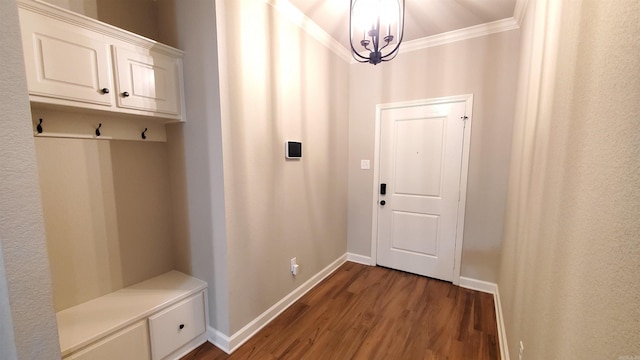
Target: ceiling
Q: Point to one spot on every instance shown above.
(423, 18)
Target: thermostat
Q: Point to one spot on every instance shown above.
(293, 150)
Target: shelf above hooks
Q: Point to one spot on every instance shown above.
(79, 125)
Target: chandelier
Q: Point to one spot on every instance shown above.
(377, 28)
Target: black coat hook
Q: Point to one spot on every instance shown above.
(98, 129)
(144, 135)
(39, 127)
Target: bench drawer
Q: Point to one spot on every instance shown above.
(177, 325)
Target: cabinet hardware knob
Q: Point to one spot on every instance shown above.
(383, 202)
(181, 326)
(125, 94)
(105, 90)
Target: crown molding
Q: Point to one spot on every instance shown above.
(461, 34)
(293, 14)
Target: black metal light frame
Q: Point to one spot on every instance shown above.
(376, 54)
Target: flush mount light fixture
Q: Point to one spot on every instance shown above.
(377, 28)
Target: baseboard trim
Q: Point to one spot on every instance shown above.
(360, 259)
(217, 338)
(502, 331)
(229, 344)
(491, 288)
(479, 285)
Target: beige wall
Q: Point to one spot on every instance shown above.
(107, 208)
(196, 147)
(281, 85)
(85, 7)
(485, 67)
(27, 320)
(137, 16)
(570, 275)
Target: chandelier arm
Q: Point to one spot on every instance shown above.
(395, 51)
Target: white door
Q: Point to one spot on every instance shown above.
(420, 152)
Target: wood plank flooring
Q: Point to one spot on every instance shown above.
(364, 312)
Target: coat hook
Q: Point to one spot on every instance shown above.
(39, 127)
(144, 135)
(98, 129)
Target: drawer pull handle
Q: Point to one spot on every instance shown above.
(181, 326)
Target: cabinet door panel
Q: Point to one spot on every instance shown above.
(64, 61)
(149, 79)
(131, 343)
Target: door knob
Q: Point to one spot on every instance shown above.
(382, 202)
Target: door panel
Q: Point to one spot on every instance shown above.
(64, 61)
(415, 232)
(420, 161)
(418, 141)
(149, 79)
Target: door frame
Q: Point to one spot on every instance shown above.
(468, 100)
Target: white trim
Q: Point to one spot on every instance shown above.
(462, 201)
(491, 288)
(468, 99)
(217, 338)
(229, 344)
(502, 331)
(360, 259)
(519, 11)
(478, 285)
(460, 34)
(293, 14)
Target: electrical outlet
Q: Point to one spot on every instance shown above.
(294, 266)
(521, 356)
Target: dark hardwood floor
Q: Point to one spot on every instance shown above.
(364, 312)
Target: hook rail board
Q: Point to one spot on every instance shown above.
(77, 125)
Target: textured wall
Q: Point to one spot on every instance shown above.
(485, 67)
(26, 267)
(570, 274)
(7, 339)
(282, 85)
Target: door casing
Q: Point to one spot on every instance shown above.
(468, 100)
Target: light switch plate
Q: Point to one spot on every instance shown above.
(365, 164)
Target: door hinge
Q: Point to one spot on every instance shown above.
(464, 121)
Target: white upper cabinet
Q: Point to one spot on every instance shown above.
(75, 61)
(66, 62)
(147, 80)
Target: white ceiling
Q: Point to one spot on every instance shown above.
(422, 17)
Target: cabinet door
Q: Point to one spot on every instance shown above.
(131, 343)
(64, 61)
(148, 80)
